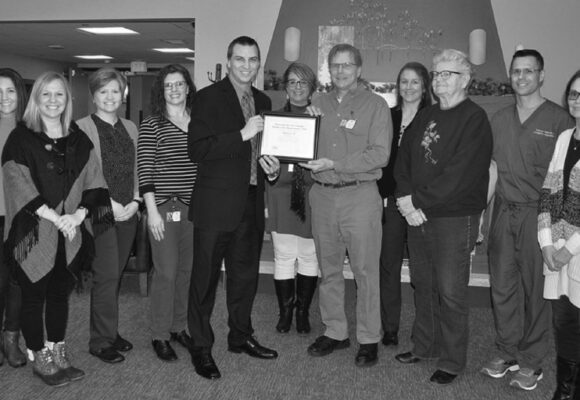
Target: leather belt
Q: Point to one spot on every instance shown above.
(340, 184)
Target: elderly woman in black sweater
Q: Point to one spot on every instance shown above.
(442, 180)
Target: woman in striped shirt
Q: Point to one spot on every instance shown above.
(166, 179)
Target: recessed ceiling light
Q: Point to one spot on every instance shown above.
(95, 57)
(190, 58)
(109, 30)
(175, 50)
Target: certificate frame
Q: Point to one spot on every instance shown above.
(290, 137)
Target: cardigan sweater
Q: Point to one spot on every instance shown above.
(559, 223)
(63, 174)
(87, 124)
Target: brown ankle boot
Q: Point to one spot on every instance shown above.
(61, 360)
(44, 367)
(14, 355)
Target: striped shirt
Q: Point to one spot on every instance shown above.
(163, 163)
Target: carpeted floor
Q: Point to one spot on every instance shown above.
(294, 375)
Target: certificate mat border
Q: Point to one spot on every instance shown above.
(293, 115)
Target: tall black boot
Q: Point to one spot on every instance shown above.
(285, 294)
(568, 376)
(305, 287)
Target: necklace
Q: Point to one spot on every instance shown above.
(575, 142)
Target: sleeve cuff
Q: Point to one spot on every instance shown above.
(545, 237)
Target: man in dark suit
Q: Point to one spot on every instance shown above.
(227, 206)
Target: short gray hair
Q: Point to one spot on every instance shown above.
(452, 55)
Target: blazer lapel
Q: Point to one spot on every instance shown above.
(232, 101)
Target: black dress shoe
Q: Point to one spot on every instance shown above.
(442, 377)
(367, 355)
(407, 358)
(254, 349)
(121, 344)
(390, 339)
(108, 354)
(182, 338)
(205, 365)
(164, 350)
(324, 345)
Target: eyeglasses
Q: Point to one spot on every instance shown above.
(446, 74)
(294, 83)
(573, 95)
(174, 85)
(345, 66)
(524, 71)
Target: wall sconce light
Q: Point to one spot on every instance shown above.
(292, 44)
(477, 45)
(519, 47)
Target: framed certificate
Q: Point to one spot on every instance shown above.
(289, 137)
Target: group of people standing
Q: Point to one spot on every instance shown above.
(418, 173)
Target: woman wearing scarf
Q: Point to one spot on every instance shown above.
(52, 183)
(289, 218)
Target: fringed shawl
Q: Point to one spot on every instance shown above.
(36, 172)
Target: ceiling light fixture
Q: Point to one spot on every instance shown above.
(95, 57)
(175, 50)
(109, 30)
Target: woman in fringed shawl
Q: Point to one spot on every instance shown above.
(52, 183)
(559, 238)
(13, 100)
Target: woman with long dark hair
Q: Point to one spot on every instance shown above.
(12, 104)
(166, 179)
(413, 94)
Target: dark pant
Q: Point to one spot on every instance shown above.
(172, 263)
(440, 261)
(54, 290)
(566, 318)
(522, 316)
(10, 296)
(112, 249)
(241, 251)
(392, 250)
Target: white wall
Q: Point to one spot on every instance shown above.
(31, 68)
(551, 27)
(217, 21)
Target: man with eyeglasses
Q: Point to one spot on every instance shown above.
(354, 144)
(227, 205)
(524, 138)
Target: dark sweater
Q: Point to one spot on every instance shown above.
(443, 161)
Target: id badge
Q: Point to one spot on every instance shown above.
(173, 216)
